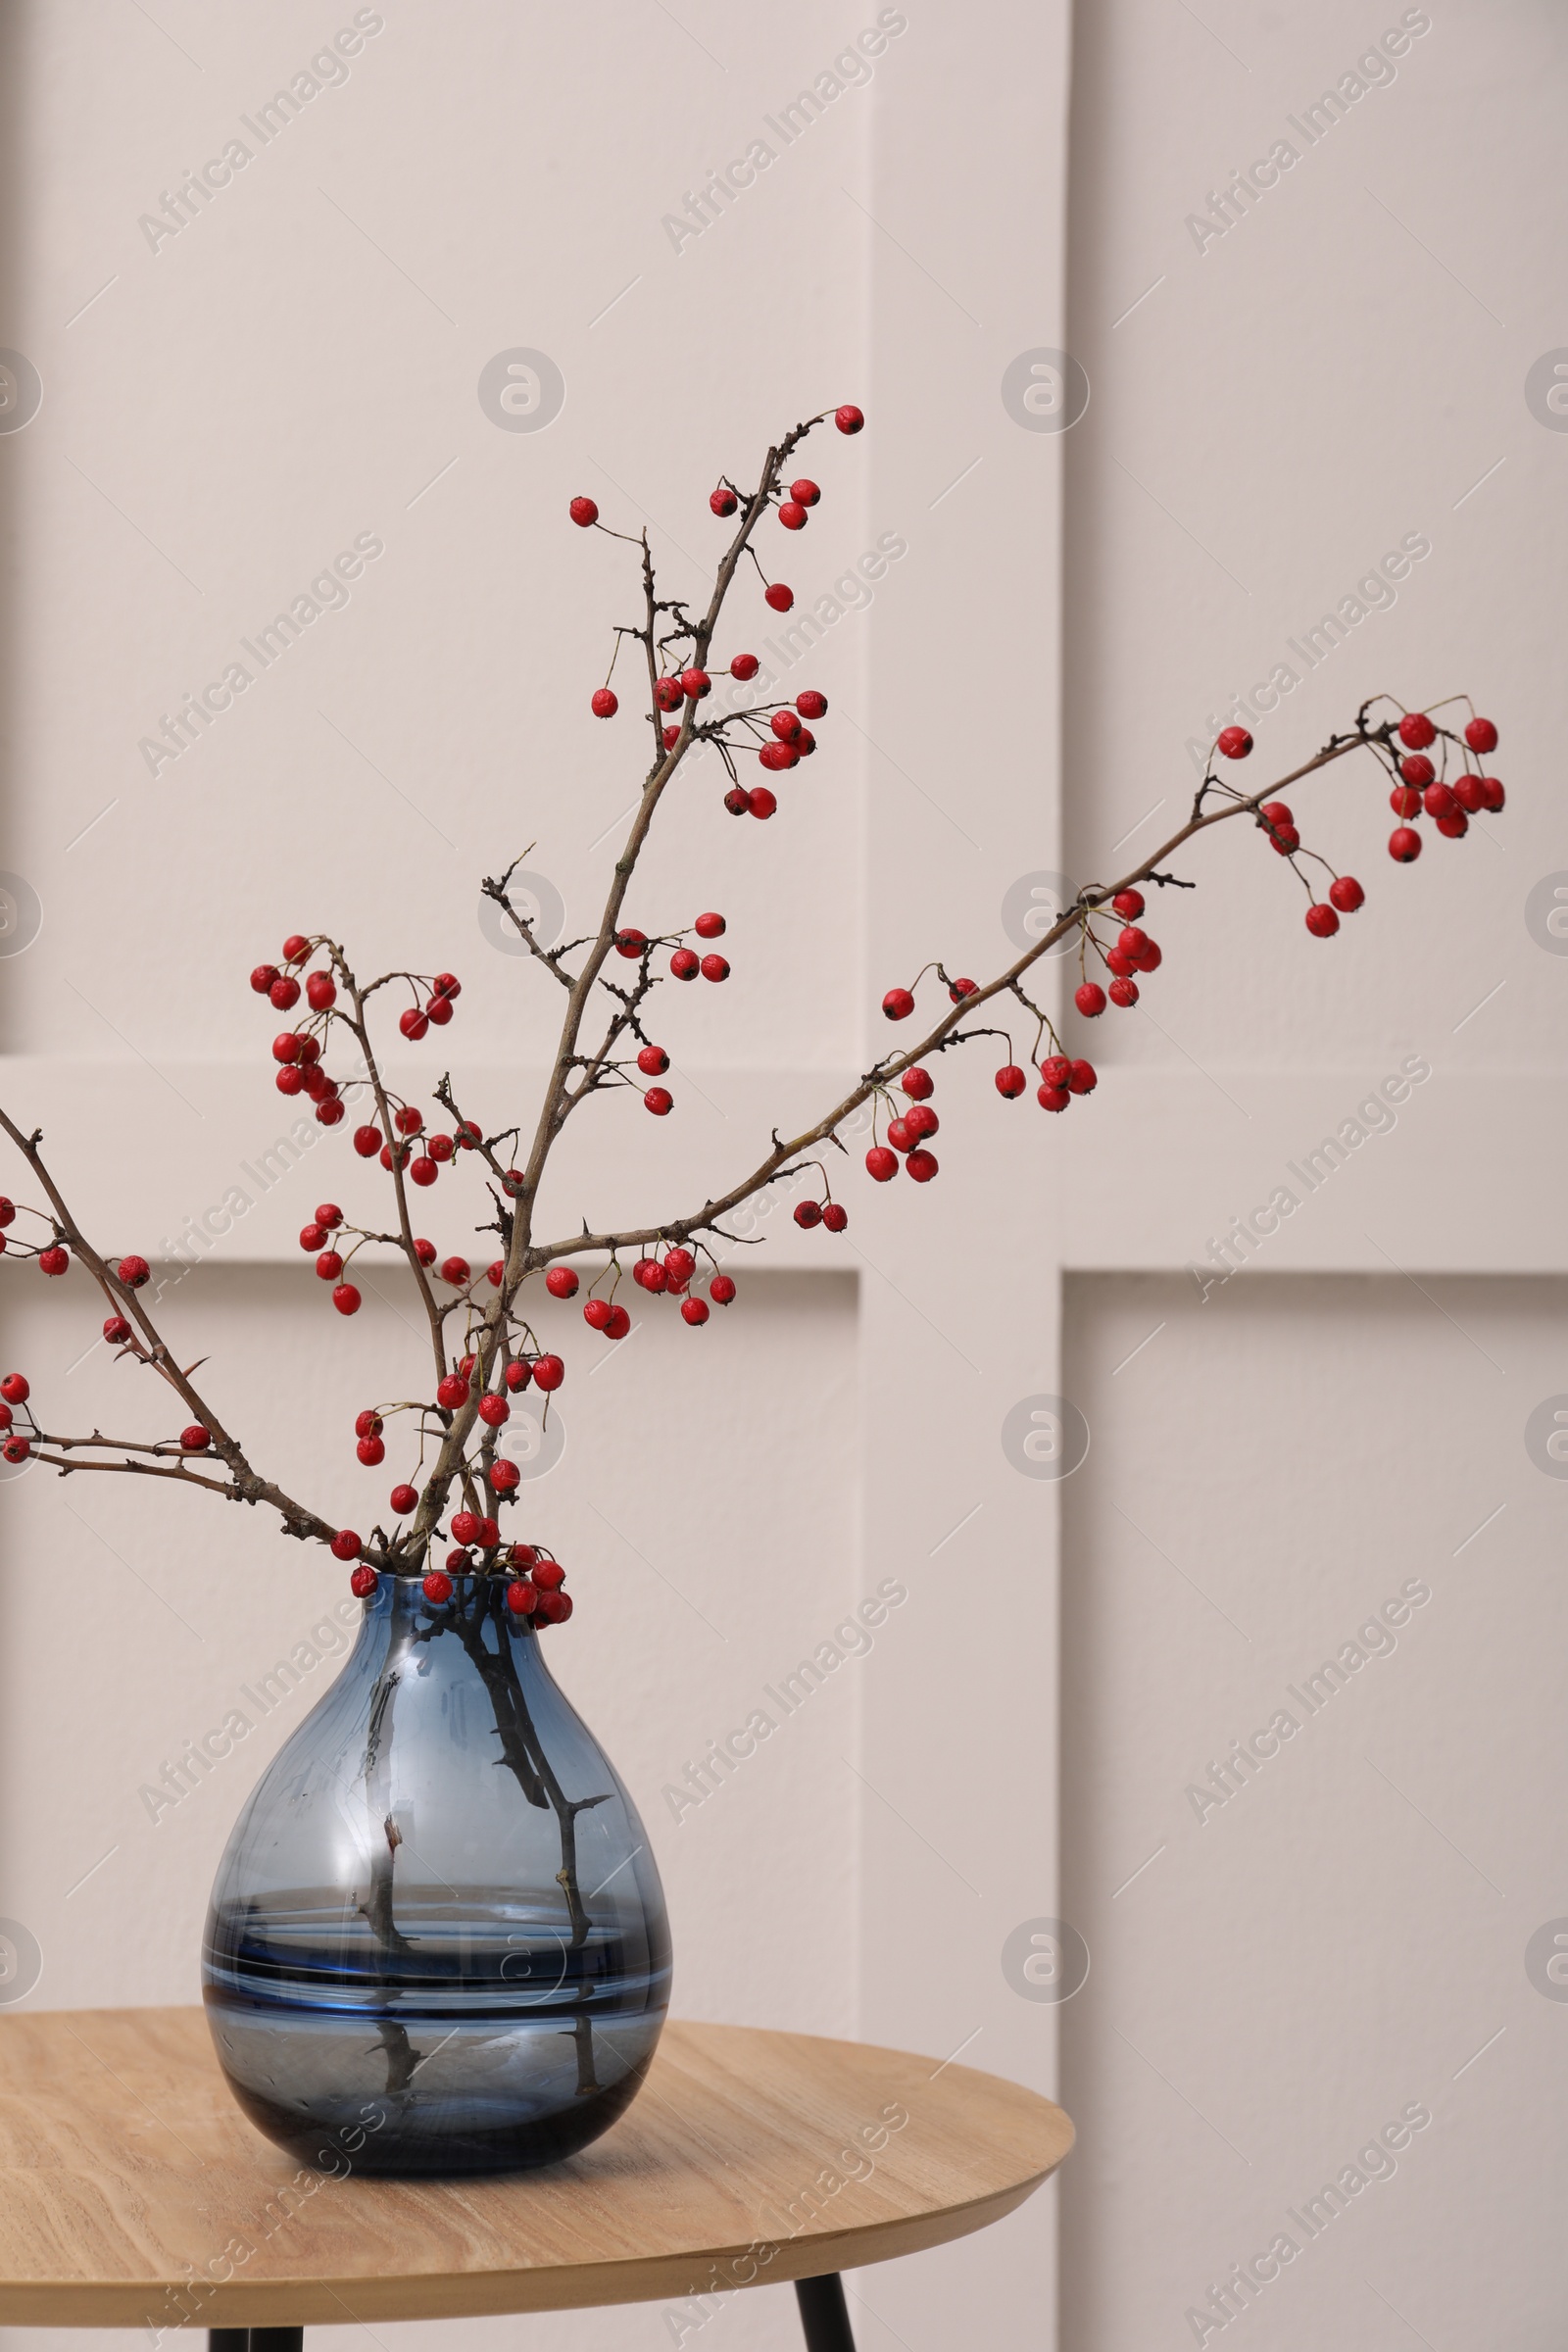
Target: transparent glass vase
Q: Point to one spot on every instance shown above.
(437, 1939)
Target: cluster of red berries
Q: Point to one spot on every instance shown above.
(829, 1212)
(15, 1390)
(789, 741)
(534, 1580)
(1421, 791)
(1276, 820)
(298, 1051)
(907, 1133)
(1133, 952)
(437, 1009)
(670, 1275)
(52, 1257)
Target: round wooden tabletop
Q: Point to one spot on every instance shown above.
(134, 2193)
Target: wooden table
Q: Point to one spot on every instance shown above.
(134, 2194)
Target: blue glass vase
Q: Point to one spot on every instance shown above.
(437, 1939)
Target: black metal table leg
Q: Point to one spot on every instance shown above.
(277, 2339)
(228, 2339)
(824, 2314)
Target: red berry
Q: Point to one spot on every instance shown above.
(659, 1101)
(522, 1598)
(367, 1142)
(618, 1325)
(1233, 742)
(404, 1498)
(808, 1214)
(785, 725)
(424, 1251)
(920, 1120)
(371, 1451)
(917, 1084)
(1284, 840)
(805, 493)
(1083, 1079)
(667, 694)
(1150, 959)
(709, 926)
(195, 1439)
(1456, 826)
(921, 1166)
(724, 501)
(1277, 812)
(1321, 920)
(957, 990)
(452, 1390)
(16, 1387)
(680, 1263)
(834, 1217)
(1055, 1069)
(780, 597)
(1493, 793)
(1470, 793)
(1439, 801)
(438, 1587)
(468, 1136)
(133, 1272)
(793, 516)
(555, 1606)
(714, 967)
(604, 701)
(583, 511)
(1053, 1098)
(1481, 735)
(549, 1576)
(363, 1582)
(328, 1267)
(423, 1170)
(441, 1148)
(1347, 894)
(649, 1275)
(289, 1081)
(695, 683)
(1124, 993)
(465, 1527)
(1128, 904)
(1132, 943)
(505, 1476)
(286, 1046)
(902, 1136)
(17, 1448)
(670, 737)
(285, 994)
(262, 977)
(494, 1411)
(517, 1376)
(847, 419)
(447, 983)
(745, 667)
(685, 963)
(8, 1211)
(1418, 770)
(630, 943)
(548, 1372)
(1405, 801)
(1417, 731)
(457, 1271)
(653, 1061)
(561, 1283)
(369, 1424)
(53, 1260)
(329, 1113)
(897, 1004)
(805, 744)
(810, 703)
(778, 756)
(722, 1290)
(296, 947)
(694, 1310)
(737, 801)
(117, 1331)
(1010, 1081)
(881, 1164)
(1089, 1000)
(320, 991)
